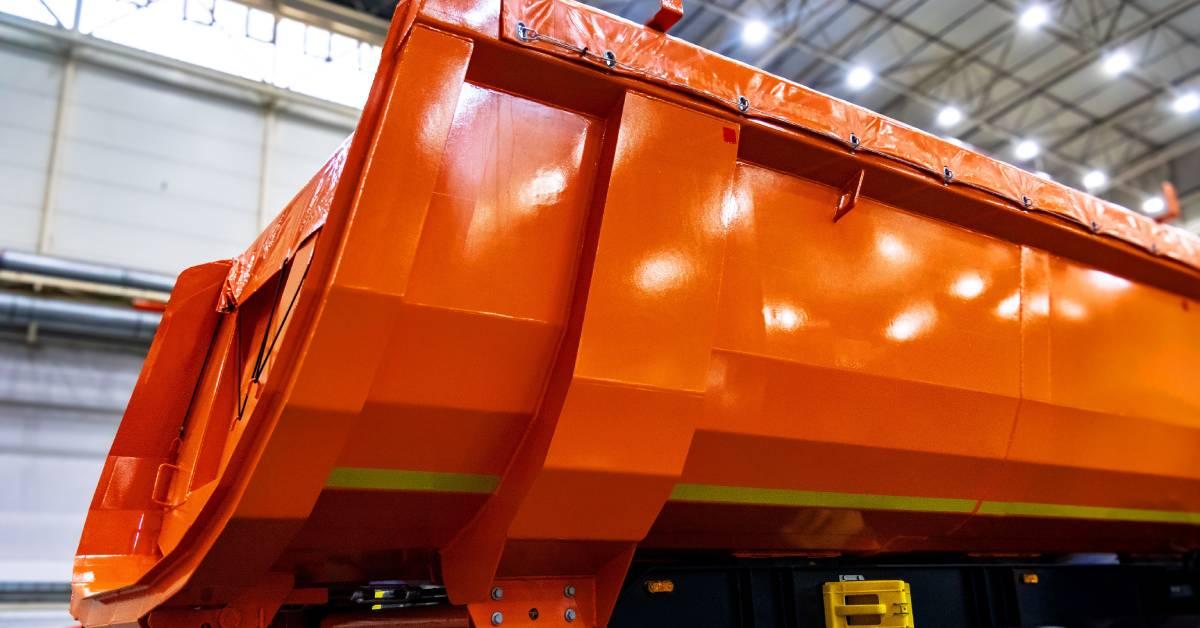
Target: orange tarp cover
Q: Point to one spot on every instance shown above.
(568, 29)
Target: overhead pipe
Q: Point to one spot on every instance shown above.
(32, 263)
(73, 317)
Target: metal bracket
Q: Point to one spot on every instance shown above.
(154, 490)
(669, 13)
(523, 602)
(848, 195)
(523, 32)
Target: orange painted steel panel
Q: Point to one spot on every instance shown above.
(539, 313)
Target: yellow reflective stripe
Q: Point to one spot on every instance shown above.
(1087, 512)
(786, 497)
(398, 480)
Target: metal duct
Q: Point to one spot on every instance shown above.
(82, 319)
(33, 263)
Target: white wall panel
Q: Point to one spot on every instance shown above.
(150, 174)
(298, 149)
(59, 408)
(142, 180)
(29, 84)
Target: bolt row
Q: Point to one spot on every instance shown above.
(568, 592)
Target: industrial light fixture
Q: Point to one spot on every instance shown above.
(1186, 103)
(755, 32)
(1154, 206)
(1117, 63)
(949, 116)
(1026, 150)
(1033, 17)
(1095, 180)
(859, 77)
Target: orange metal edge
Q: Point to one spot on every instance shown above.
(116, 601)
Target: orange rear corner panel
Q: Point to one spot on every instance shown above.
(543, 310)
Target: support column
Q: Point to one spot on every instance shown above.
(614, 429)
(264, 165)
(66, 88)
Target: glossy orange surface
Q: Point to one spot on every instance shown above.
(536, 316)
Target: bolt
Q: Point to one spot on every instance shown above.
(743, 104)
(570, 614)
(569, 590)
(533, 614)
(610, 59)
(497, 618)
(497, 593)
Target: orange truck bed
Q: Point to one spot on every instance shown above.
(576, 288)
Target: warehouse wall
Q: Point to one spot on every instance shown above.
(59, 407)
(147, 174)
(154, 170)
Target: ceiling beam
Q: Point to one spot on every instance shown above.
(994, 69)
(1158, 157)
(332, 17)
(1068, 38)
(809, 74)
(954, 64)
(1073, 65)
(1137, 107)
(786, 42)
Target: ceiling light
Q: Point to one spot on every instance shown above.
(1095, 180)
(1153, 206)
(859, 77)
(755, 32)
(1033, 17)
(1043, 174)
(1026, 150)
(1117, 63)
(1186, 103)
(949, 116)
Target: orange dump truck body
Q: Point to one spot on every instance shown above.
(551, 305)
